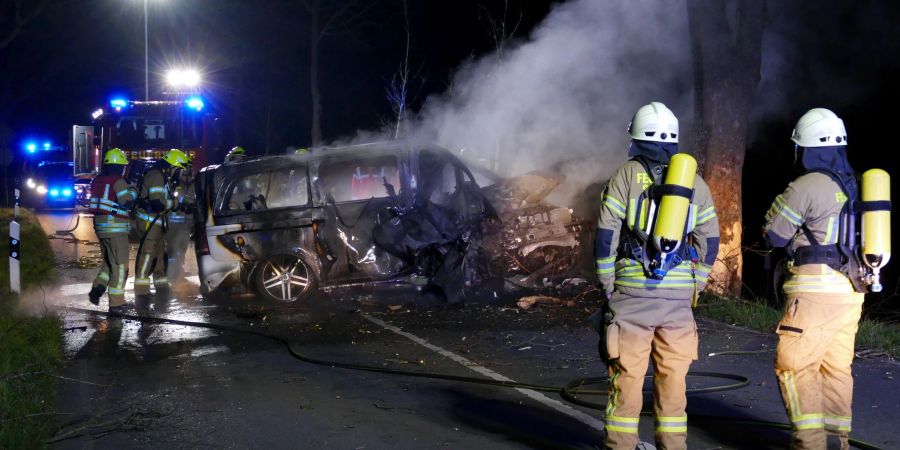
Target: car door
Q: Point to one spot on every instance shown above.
(358, 191)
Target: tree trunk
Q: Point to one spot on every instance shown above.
(726, 59)
(315, 38)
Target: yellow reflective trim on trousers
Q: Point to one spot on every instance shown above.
(808, 422)
(621, 429)
(793, 403)
(608, 259)
(606, 270)
(612, 401)
(622, 424)
(655, 286)
(103, 276)
(672, 429)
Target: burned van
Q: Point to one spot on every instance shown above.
(371, 214)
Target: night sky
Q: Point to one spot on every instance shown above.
(254, 55)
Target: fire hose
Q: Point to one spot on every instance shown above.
(569, 392)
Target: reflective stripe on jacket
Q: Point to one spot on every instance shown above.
(108, 194)
(815, 201)
(620, 208)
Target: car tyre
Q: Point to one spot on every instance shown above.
(285, 279)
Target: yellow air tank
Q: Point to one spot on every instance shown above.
(876, 225)
(671, 217)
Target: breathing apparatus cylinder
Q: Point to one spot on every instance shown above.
(674, 205)
(876, 223)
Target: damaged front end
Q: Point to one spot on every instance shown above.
(536, 243)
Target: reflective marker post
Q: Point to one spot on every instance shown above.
(15, 284)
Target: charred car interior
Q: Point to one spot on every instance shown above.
(376, 214)
(379, 214)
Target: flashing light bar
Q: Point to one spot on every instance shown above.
(195, 103)
(46, 145)
(30, 147)
(96, 114)
(118, 103)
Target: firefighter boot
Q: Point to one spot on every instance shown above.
(95, 294)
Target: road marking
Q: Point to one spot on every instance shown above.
(71, 290)
(534, 395)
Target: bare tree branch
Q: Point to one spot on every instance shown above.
(20, 21)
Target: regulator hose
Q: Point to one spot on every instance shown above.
(569, 392)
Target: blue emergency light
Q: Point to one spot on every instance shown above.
(30, 147)
(118, 103)
(195, 103)
(46, 145)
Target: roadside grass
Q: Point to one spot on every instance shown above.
(756, 315)
(30, 347)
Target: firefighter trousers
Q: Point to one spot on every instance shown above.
(642, 328)
(812, 362)
(178, 236)
(151, 259)
(113, 266)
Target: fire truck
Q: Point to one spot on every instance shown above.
(144, 130)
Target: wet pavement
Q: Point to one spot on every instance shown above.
(137, 385)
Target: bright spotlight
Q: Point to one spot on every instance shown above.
(183, 78)
(96, 114)
(30, 183)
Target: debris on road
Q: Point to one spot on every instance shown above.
(530, 301)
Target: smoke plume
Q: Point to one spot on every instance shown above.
(562, 99)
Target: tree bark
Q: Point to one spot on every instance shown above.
(726, 61)
(316, 97)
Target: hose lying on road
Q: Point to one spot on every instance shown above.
(569, 392)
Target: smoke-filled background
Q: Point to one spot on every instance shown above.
(562, 98)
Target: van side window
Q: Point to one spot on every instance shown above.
(249, 193)
(268, 190)
(359, 178)
(288, 187)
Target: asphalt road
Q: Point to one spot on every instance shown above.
(134, 385)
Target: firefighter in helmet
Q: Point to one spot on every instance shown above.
(822, 305)
(111, 199)
(236, 154)
(180, 221)
(650, 279)
(156, 199)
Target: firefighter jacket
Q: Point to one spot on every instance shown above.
(811, 204)
(109, 195)
(183, 203)
(620, 269)
(155, 198)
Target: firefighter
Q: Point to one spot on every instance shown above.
(111, 198)
(156, 199)
(822, 308)
(180, 222)
(650, 292)
(236, 154)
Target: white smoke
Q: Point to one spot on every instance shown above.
(562, 99)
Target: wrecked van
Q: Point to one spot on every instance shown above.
(389, 213)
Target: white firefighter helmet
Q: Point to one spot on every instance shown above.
(654, 122)
(819, 127)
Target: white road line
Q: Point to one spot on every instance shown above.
(537, 396)
(74, 289)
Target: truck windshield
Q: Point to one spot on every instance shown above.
(159, 131)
